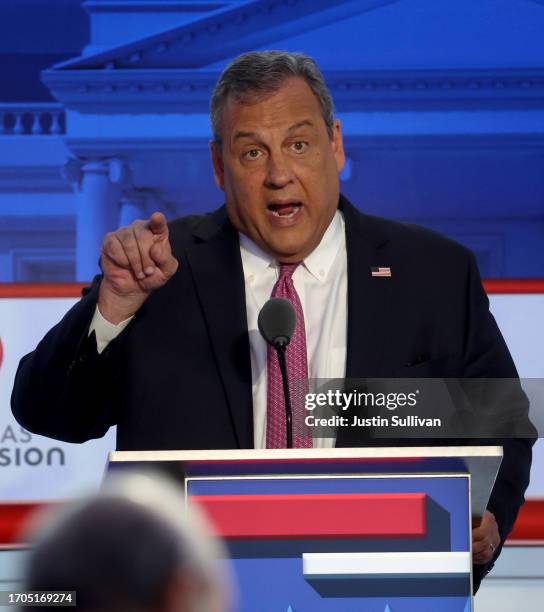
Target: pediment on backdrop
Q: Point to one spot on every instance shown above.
(224, 33)
(376, 55)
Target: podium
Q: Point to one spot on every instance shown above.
(342, 529)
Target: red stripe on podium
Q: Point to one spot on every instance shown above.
(529, 525)
(372, 515)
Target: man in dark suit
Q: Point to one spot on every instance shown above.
(179, 364)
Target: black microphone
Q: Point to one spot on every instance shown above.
(277, 321)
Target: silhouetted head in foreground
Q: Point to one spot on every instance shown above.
(129, 549)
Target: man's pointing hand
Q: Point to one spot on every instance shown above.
(136, 260)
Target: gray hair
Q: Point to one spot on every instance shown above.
(253, 74)
(120, 549)
(114, 554)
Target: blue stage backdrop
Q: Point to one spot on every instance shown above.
(103, 117)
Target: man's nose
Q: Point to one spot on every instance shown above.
(279, 172)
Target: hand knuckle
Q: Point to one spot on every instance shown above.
(123, 234)
(108, 239)
(139, 226)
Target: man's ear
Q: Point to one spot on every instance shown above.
(338, 145)
(218, 167)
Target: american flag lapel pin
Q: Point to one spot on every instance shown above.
(380, 272)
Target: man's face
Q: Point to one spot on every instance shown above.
(279, 170)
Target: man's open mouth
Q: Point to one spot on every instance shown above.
(285, 211)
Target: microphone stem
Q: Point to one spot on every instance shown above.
(280, 349)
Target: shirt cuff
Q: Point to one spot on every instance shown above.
(104, 330)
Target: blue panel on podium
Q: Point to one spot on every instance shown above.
(373, 529)
(419, 572)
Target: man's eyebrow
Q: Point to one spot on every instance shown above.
(296, 126)
(242, 134)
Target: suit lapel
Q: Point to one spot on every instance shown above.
(216, 267)
(369, 301)
(368, 308)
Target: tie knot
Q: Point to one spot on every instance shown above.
(287, 270)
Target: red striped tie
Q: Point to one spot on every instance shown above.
(297, 371)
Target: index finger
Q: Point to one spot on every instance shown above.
(157, 224)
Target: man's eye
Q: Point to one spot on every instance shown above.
(299, 146)
(252, 154)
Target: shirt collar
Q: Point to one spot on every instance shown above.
(254, 260)
(320, 260)
(318, 263)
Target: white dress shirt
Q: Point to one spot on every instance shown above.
(321, 283)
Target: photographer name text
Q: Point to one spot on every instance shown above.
(410, 420)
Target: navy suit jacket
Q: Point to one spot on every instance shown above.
(179, 375)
